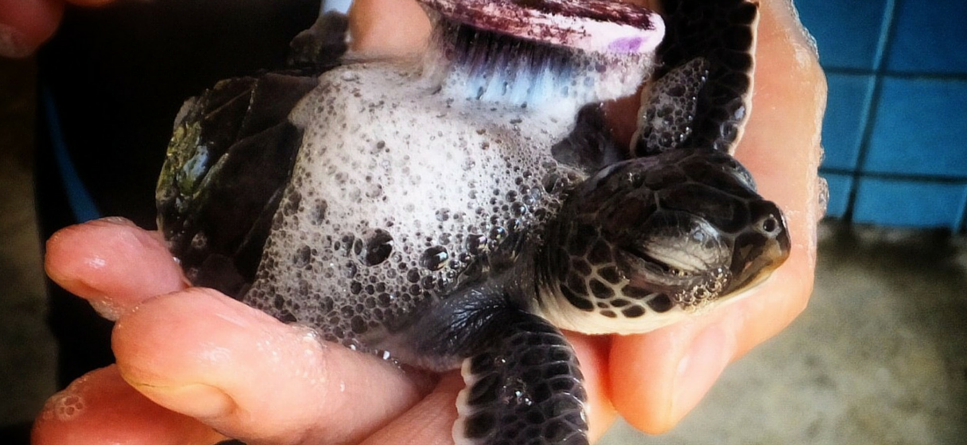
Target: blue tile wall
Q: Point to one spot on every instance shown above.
(929, 37)
(897, 112)
(846, 114)
(847, 32)
(920, 128)
(909, 203)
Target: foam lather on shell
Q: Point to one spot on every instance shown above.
(394, 192)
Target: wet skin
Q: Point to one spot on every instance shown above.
(192, 362)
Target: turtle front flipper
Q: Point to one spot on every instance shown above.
(702, 95)
(523, 387)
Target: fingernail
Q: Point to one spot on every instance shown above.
(195, 400)
(118, 221)
(12, 43)
(707, 357)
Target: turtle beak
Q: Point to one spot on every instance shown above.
(762, 248)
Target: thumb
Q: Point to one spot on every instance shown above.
(25, 24)
(200, 353)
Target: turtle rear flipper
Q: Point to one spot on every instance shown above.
(230, 156)
(523, 387)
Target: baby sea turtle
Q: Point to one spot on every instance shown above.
(460, 208)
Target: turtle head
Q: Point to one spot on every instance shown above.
(678, 231)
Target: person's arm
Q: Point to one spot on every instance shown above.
(191, 361)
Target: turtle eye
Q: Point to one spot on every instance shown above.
(769, 225)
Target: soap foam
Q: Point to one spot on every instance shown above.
(396, 189)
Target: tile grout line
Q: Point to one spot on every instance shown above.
(910, 75)
(936, 179)
(868, 120)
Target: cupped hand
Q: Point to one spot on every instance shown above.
(194, 365)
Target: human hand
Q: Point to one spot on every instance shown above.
(26, 24)
(214, 364)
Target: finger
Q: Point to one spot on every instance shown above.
(253, 377)
(431, 421)
(592, 352)
(387, 27)
(658, 378)
(100, 409)
(25, 24)
(112, 263)
(783, 152)
(89, 3)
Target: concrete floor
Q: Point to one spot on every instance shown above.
(879, 357)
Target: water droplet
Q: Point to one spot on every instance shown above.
(358, 325)
(291, 205)
(443, 214)
(347, 311)
(199, 241)
(413, 275)
(379, 246)
(319, 211)
(350, 270)
(446, 238)
(476, 244)
(386, 298)
(435, 258)
(302, 257)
